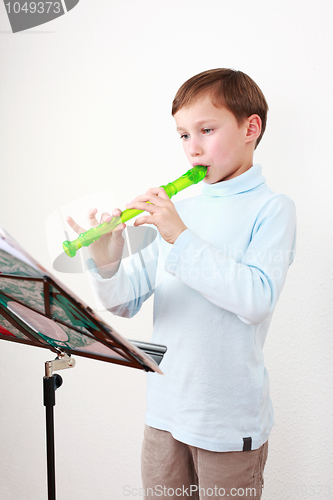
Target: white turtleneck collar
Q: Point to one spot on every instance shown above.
(250, 179)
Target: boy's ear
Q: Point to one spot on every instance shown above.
(253, 128)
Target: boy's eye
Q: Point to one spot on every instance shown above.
(207, 130)
(184, 136)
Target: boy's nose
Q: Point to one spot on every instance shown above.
(195, 149)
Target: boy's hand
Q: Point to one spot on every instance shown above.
(106, 252)
(162, 213)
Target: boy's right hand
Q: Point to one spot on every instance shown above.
(106, 252)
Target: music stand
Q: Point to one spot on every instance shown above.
(35, 309)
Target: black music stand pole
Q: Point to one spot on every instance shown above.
(50, 384)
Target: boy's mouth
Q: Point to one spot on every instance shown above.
(203, 165)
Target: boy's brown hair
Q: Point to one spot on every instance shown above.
(233, 89)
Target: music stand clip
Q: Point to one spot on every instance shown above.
(61, 362)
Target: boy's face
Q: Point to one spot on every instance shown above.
(212, 137)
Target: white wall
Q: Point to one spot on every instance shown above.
(85, 106)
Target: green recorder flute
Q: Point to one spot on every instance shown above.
(192, 176)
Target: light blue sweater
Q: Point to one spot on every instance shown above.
(215, 292)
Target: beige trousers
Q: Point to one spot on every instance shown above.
(173, 470)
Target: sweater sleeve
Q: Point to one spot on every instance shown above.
(249, 286)
(134, 282)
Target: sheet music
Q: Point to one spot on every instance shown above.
(74, 315)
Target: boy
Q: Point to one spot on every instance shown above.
(217, 270)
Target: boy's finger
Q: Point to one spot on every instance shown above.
(116, 212)
(120, 227)
(92, 217)
(159, 191)
(144, 220)
(156, 196)
(149, 203)
(106, 217)
(71, 222)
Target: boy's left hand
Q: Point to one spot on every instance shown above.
(162, 213)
